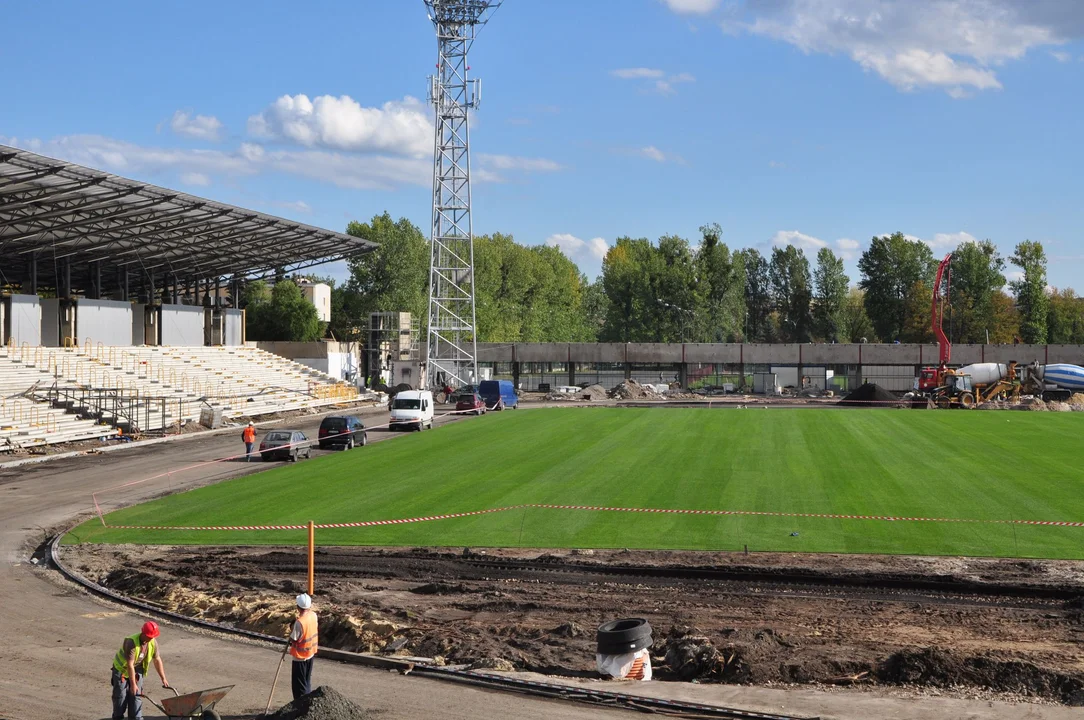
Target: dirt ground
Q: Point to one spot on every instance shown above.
(953, 626)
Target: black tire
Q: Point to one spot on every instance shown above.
(364, 439)
(211, 715)
(624, 648)
(623, 631)
(293, 456)
(349, 444)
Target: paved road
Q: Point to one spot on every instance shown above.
(58, 642)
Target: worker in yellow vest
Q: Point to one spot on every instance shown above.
(304, 641)
(130, 664)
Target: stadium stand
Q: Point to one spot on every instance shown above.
(53, 395)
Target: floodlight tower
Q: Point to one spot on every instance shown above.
(452, 352)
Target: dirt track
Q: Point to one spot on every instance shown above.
(1009, 626)
(58, 640)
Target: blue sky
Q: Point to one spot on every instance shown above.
(810, 122)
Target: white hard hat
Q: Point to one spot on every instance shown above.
(249, 422)
(304, 601)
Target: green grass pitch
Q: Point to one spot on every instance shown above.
(954, 464)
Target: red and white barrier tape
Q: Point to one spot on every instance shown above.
(598, 508)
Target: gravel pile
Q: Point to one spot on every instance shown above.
(632, 390)
(593, 392)
(1077, 402)
(323, 703)
(870, 395)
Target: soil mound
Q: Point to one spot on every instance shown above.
(692, 656)
(1077, 402)
(1033, 404)
(592, 392)
(632, 390)
(323, 703)
(870, 395)
(940, 668)
(1059, 407)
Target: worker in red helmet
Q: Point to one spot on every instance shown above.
(136, 654)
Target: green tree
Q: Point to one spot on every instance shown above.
(672, 279)
(792, 293)
(625, 280)
(977, 277)
(892, 270)
(831, 284)
(1065, 318)
(284, 315)
(1030, 291)
(594, 305)
(854, 324)
(757, 326)
(720, 288)
(392, 278)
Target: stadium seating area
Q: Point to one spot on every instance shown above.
(55, 395)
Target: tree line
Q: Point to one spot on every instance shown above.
(672, 291)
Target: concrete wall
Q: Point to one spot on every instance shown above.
(340, 360)
(50, 322)
(234, 326)
(319, 295)
(103, 321)
(139, 324)
(22, 321)
(181, 325)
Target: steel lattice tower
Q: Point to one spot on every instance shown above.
(451, 355)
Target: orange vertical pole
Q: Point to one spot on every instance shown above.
(312, 543)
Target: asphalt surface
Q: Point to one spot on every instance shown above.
(58, 642)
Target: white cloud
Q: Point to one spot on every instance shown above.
(201, 127)
(653, 153)
(798, 240)
(1014, 275)
(1061, 56)
(692, 7)
(847, 248)
(954, 45)
(593, 250)
(949, 241)
(400, 127)
(194, 178)
(199, 166)
(637, 73)
(661, 83)
(650, 152)
(776, 165)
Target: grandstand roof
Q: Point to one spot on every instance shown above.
(59, 210)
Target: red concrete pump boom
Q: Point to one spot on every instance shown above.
(938, 311)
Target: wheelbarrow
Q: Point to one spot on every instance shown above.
(199, 704)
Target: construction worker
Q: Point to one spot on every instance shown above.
(249, 436)
(304, 641)
(130, 665)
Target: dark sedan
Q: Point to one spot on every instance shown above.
(285, 445)
(471, 403)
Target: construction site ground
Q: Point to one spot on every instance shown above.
(59, 640)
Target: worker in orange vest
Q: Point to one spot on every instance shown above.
(249, 436)
(304, 641)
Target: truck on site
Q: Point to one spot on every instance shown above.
(411, 409)
(974, 384)
(498, 394)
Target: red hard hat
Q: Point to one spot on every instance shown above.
(150, 629)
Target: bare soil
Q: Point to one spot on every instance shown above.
(956, 624)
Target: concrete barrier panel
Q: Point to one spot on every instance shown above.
(822, 354)
(716, 353)
(963, 355)
(24, 319)
(765, 354)
(542, 352)
(1072, 354)
(103, 321)
(1022, 354)
(495, 352)
(597, 352)
(234, 326)
(902, 354)
(662, 353)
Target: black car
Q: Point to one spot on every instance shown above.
(285, 445)
(345, 431)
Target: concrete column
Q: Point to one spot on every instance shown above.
(33, 273)
(125, 292)
(628, 371)
(572, 373)
(683, 375)
(151, 292)
(218, 292)
(206, 293)
(515, 374)
(96, 281)
(65, 291)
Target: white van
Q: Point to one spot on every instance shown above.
(412, 409)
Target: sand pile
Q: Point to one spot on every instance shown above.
(1056, 406)
(632, 390)
(323, 703)
(1032, 403)
(592, 392)
(870, 395)
(1076, 402)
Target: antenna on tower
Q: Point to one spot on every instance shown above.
(452, 347)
